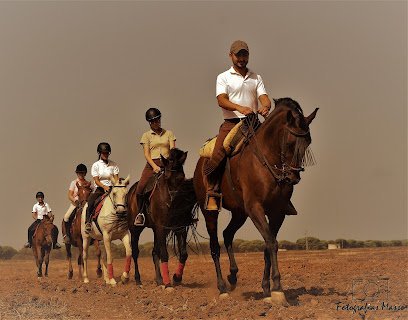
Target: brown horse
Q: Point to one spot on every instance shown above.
(42, 244)
(76, 236)
(171, 212)
(258, 183)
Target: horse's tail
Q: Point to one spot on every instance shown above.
(184, 214)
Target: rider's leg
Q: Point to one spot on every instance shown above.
(91, 202)
(67, 216)
(211, 174)
(31, 230)
(54, 235)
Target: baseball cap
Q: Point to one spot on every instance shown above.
(239, 45)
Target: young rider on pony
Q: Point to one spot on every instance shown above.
(102, 170)
(80, 171)
(40, 210)
(156, 142)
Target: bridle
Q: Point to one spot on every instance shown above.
(115, 205)
(284, 173)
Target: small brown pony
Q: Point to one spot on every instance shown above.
(171, 213)
(258, 183)
(76, 236)
(42, 244)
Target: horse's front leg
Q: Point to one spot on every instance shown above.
(47, 260)
(183, 255)
(237, 220)
(164, 258)
(40, 252)
(98, 255)
(69, 258)
(85, 247)
(270, 256)
(134, 237)
(211, 221)
(128, 260)
(156, 258)
(109, 258)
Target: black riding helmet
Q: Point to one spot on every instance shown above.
(39, 194)
(152, 113)
(103, 147)
(81, 168)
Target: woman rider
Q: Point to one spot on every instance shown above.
(80, 171)
(156, 142)
(101, 171)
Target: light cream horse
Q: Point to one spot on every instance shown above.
(112, 224)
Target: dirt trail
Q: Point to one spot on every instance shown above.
(329, 284)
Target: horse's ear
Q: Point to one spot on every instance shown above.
(126, 181)
(164, 160)
(311, 116)
(113, 180)
(183, 157)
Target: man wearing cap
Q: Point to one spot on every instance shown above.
(238, 91)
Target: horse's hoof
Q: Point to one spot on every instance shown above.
(233, 286)
(70, 275)
(278, 298)
(162, 286)
(169, 288)
(177, 279)
(224, 296)
(112, 282)
(123, 279)
(86, 280)
(99, 273)
(140, 286)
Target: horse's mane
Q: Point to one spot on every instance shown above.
(280, 104)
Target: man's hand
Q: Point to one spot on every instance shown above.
(156, 169)
(106, 188)
(245, 110)
(263, 111)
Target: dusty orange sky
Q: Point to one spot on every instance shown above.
(77, 73)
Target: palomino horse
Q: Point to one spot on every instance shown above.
(170, 213)
(76, 236)
(258, 183)
(42, 244)
(111, 224)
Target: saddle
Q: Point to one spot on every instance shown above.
(98, 205)
(235, 139)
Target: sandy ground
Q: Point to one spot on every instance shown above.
(329, 284)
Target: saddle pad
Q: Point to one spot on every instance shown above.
(98, 207)
(232, 143)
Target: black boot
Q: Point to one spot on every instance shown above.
(67, 239)
(140, 218)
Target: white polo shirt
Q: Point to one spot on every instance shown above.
(104, 171)
(244, 91)
(41, 210)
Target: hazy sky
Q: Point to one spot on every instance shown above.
(73, 74)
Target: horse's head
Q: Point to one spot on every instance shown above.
(118, 193)
(83, 192)
(46, 230)
(173, 167)
(295, 139)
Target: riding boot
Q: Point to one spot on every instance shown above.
(213, 198)
(140, 218)
(88, 223)
(67, 239)
(54, 235)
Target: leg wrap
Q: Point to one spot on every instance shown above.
(110, 270)
(165, 272)
(128, 261)
(180, 269)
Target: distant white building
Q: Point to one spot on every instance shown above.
(332, 246)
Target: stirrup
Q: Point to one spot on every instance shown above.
(213, 201)
(88, 227)
(137, 223)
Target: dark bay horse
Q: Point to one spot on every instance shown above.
(171, 212)
(260, 185)
(42, 244)
(76, 236)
